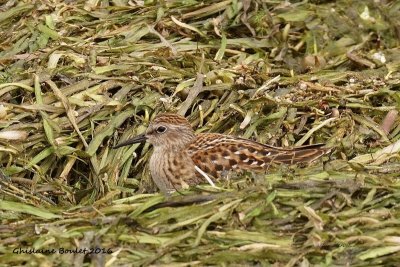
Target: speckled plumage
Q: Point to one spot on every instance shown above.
(177, 150)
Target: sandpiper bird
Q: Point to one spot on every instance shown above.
(181, 158)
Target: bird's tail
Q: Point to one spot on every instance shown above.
(298, 154)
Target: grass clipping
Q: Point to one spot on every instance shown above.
(78, 76)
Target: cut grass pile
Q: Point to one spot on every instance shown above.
(76, 77)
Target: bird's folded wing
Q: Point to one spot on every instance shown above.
(214, 153)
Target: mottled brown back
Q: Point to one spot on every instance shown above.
(214, 153)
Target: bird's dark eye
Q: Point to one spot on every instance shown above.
(161, 129)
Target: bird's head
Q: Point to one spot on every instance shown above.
(167, 130)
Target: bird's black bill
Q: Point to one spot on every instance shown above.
(138, 139)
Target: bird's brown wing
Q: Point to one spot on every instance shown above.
(214, 153)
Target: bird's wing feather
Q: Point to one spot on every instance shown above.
(214, 153)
